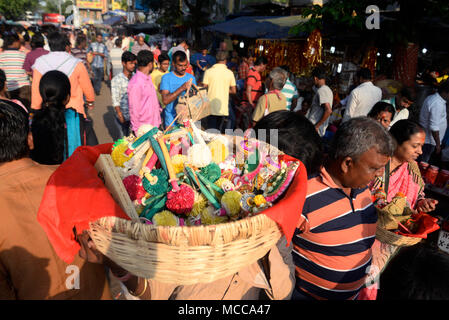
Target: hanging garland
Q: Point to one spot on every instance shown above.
(313, 48)
(370, 60)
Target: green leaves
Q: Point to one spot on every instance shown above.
(15, 9)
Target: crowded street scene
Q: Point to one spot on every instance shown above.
(224, 150)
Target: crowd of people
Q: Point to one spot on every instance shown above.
(350, 148)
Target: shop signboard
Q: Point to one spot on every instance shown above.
(85, 4)
(53, 18)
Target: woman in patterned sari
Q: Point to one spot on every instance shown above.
(402, 172)
(401, 175)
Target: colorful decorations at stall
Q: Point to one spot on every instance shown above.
(281, 52)
(314, 48)
(370, 60)
(206, 185)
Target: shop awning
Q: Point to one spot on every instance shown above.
(258, 26)
(115, 20)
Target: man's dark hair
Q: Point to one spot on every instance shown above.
(128, 56)
(81, 38)
(408, 93)
(163, 57)
(365, 73)
(246, 55)
(379, 107)
(144, 57)
(179, 56)
(58, 41)
(407, 275)
(260, 60)
(286, 68)
(296, 137)
(319, 72)
(118, 42)
(444, 87)
(14, 128)
(9, 38)
(2, 79)
(37, 41)
(358, 135)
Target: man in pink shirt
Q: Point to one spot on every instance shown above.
(144, 106)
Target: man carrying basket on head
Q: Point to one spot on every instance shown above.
(173, 85)
(273, 274)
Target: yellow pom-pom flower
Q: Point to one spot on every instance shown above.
(165, 218)
(225, 184)
(118, 154)
(178, 162)
(231, 203)
(199, 204)
(259, 200)
(208, 217)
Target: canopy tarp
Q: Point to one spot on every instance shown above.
(267, 27)
(115, 20)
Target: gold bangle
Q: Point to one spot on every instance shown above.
(144, 289)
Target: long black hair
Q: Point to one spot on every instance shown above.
(49, 126)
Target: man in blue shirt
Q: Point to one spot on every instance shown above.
(175, 84)
(200, 62)
(100, 52)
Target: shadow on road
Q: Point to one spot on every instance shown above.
(110, 124)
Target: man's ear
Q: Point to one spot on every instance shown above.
(346, 164)
(30, 141)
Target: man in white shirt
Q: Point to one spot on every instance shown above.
(116, 57)
(433, 119)
(321, 107)
(362, 98)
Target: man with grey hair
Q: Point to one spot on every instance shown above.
(333, 239)
(274, 99)
(220, 82)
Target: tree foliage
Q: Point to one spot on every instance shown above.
(15, 9)
(51, 6)
(350, 15)
(170, 13)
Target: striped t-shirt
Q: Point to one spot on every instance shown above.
(11, 61)
(332, 244)
(290, 92)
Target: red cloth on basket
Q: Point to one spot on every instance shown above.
(426, 224)
(73, 197)
(288, 211)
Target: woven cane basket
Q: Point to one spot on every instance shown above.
(185, 254)
(388, 237)
(392, 238)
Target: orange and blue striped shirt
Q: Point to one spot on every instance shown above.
(332, 243)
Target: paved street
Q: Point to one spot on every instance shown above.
(103, 116)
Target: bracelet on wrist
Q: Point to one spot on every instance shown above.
(143, 291)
